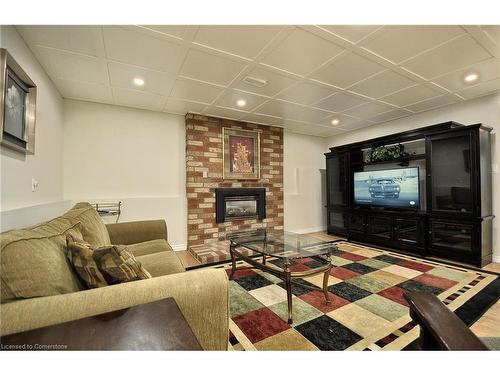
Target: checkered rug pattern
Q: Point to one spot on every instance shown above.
(367, 312)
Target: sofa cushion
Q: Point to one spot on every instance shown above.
(105, 265)
(161, 263)
(149, 247)
(93, 228)
(34, 264)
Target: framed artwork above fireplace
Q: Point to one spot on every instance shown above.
(241, 154)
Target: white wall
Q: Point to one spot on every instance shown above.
(304, 183)
(485, 110)
(115, 153)
(46, 164)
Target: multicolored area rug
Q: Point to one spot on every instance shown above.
(368, 310)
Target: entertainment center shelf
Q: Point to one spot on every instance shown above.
(432, 199)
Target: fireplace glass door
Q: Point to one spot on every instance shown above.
(240, 208)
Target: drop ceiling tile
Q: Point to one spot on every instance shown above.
(346, 70)
(92, 92)
(260, 119)
(177, 31)
(80, 39)
(432, 103)
(368, 110)
(344, 121)
(275, 82)
(382, 84)
(493, 32)
(210, 68)
(398, 43)
(245, 41)
(390, 115)
(483, 88)
(182, 107)
(301, 52)
(72, 66)
(309, 115)
(305, 93)
(230, 98)
(122, 75)
(224, 113)
(410, 95)
(339, 102)
(456, 54)
(279, 108)
(139, 99)
(144, 50)
(352, 33)
(195, 91)
(487, 70)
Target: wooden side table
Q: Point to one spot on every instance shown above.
(157, 325)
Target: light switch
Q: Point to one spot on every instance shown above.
(34, 184)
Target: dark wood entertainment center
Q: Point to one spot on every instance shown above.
(454, 217)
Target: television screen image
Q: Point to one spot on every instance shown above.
(387, 188)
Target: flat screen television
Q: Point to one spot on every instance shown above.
(387, 188)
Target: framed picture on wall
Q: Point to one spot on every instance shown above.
(17, 106)
(241, 150)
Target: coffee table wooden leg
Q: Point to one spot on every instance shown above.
(288, 282)
(264, 259)
(325, 286)
(233, 260)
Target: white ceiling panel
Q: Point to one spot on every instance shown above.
(351, 33)
(275, 82)
(210, 68)
(139, 99)
(143, 50)
(195, 91)
(487, 71)
(410, 95)
(483, 88)
(301, 52)
(302, 75)
(86, 40)
(92, 92)
(72, 66)
(305, 93)
(122, 75)
(245, 41)
(457, 54)
(231, 97)
(399, 43)
(182, 107)
(346, 70)
(382, 84)
(432, 103)
(368, 110)
(339, 102)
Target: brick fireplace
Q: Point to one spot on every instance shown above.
(204, 176)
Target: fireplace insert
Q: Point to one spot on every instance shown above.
(240, 204)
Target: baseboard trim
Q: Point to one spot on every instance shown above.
(496, 258)
(308, 230)
(179, 247)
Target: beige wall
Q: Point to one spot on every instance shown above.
(116, 153)
(46, 164)
(304, 183)
(485, 110)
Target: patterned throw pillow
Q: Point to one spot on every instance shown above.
(105, 265)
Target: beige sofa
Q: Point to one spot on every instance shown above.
(39, 287)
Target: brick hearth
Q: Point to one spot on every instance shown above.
(204, 154)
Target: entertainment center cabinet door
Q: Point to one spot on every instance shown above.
(379, 227)
(453, 240)
(450, 169)
(337, 181)
(337, 222)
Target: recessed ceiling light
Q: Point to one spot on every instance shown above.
(471, 77)
(335, 121)
(138, 81)
(241, 103)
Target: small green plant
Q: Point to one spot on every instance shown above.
(384, 153)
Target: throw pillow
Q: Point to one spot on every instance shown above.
(105, 265)
(93, 228)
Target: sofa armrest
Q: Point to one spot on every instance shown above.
(202, 296)
(137, 231)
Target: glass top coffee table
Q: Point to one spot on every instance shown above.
(287, 247)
